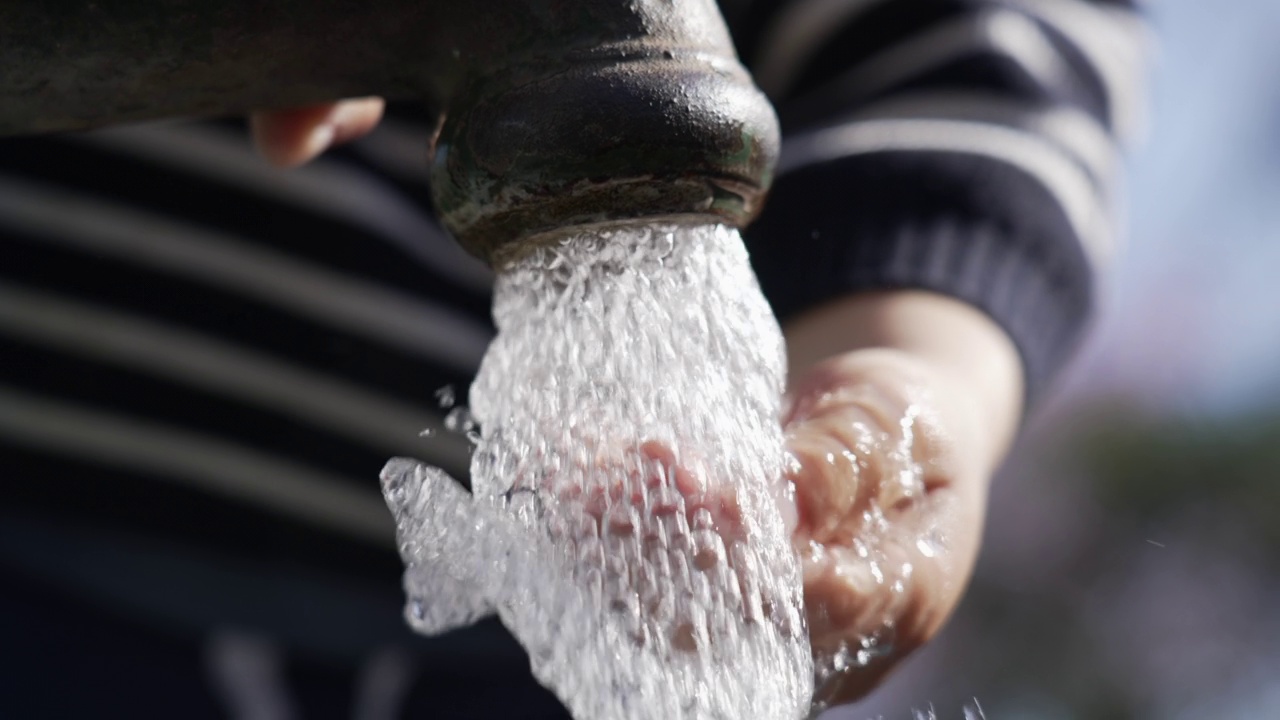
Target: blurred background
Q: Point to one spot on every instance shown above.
(1132, 559)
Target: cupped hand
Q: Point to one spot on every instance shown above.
(295, 136)
(889, 512)
(901, 406)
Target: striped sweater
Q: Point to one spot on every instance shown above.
(204, 361)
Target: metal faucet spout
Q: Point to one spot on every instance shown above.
(551, 113)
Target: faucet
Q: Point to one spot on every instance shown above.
(551, 114)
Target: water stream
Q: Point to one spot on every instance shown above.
(627, 478)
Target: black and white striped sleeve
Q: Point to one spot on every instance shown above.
(963, 146)
(199, 349)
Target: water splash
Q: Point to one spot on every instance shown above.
(627, 477)
(971, 712)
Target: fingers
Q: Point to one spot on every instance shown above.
(673, 484)
(863, 439)
(667, 543)
(828, 474)
(289, 138)
(889, 388)
(614, 487)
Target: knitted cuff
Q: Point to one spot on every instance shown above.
(964, 226)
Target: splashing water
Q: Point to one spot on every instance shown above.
(627, 480)
(971, 712)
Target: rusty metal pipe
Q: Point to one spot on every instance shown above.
(552, 113)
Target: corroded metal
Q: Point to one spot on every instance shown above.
(552, 112)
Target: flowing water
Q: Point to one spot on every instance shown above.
(625, 517)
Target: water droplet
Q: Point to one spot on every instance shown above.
(459, 420)
(445, 396)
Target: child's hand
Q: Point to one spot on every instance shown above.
(894, 443)
(888, 515)
(289, 138)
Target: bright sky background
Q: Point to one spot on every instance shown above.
(1193, 317)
